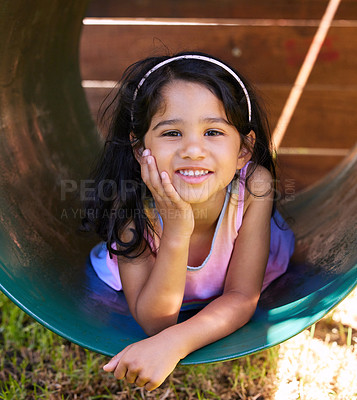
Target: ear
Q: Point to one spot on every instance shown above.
(246, 150)
(137, 147)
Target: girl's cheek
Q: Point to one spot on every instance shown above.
(159, 167)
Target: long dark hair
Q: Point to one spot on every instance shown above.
(119, 193)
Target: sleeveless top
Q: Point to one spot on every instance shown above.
(206, 282)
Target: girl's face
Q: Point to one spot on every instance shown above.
(192, 140)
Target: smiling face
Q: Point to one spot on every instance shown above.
(192, 140)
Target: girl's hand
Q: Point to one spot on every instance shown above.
(146, 363)
(176, 214)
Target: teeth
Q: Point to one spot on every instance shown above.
(190, 172)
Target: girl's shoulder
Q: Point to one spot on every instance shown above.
(260, 179)
(150, 237)
(259, 184)
(128, 232)
(146, 248)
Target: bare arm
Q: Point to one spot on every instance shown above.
(154, 286)
(244, 278)
(145, 362)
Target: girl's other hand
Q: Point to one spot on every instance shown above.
(176, 214)
(146, 363)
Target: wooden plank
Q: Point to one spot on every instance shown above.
(95, 98)
(297, 172)
(337, 60)
(325, 116)
(264, 54)
(319, 121)
(259, 52)
(219, 9)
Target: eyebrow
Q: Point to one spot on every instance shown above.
(211, 120)
(167, 122)
(214, 120)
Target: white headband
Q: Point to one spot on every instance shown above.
(202, 58)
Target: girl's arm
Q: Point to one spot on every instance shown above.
(149, 362)
(154, 286)
(244, 278)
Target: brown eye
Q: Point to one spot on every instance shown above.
(213, 132)
(172, 134)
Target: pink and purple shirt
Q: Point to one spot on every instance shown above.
(206, 282)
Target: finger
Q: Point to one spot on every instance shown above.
(120, 371)
(169, 189)
(153, 384)
(146, 152)
(144, 164)
(154, 176)
(112, 364)
(131, 375)
(145, 172)
(141, 381)
(150, 176)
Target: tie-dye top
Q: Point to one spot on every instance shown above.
(206, 282)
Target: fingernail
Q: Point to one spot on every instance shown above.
(146, 152)
(149, 160)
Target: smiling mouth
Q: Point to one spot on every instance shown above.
(191, 172)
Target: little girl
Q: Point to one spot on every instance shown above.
(185, 201)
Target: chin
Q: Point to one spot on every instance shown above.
(193, 197)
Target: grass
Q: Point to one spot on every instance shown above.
(37, 364)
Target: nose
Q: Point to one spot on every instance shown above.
(193, 147)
